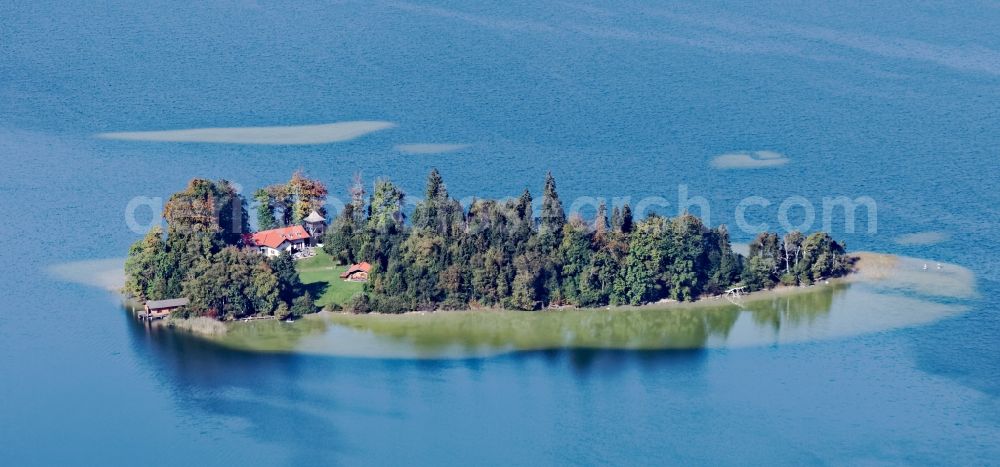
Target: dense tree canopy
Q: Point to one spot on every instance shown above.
(288, 203)
(492, 254)
(201, 257)
(497, 254)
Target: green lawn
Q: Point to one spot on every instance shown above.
(322, 279)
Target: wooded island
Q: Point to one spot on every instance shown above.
(493, 254)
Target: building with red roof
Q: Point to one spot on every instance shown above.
(357, 272)
(276, 241)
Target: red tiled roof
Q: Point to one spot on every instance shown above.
(275, 237)
(360, 267)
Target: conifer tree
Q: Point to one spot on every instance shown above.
(553, 216)
(265, 210)
(601, 220)
(432, 212)
(626, 226)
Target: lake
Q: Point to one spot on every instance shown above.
(895, 102)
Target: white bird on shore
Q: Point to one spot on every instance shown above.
(925, 266)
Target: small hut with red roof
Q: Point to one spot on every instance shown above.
(357, 272)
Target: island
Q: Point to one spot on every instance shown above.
(494, 254)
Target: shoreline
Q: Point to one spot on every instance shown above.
(201, 326)
(869, 267)
(892, 291)
(864, 257)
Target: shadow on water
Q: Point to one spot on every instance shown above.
(305, 401)
(588, 362)
(325, 377)
(265, 396)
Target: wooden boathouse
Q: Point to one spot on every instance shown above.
(156, 309)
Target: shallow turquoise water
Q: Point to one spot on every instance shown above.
(893, 101)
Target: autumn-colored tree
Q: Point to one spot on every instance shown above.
(207, 207)
(292, 201)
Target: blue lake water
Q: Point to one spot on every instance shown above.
(894, 101)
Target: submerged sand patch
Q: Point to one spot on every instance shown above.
(914, 275)
(271, 135)
(749, 160)
(107, 274)
(922, 238)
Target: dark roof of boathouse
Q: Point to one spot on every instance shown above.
(168, 303)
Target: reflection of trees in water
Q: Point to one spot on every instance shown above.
(794, 308)
(290, 399)
(642, 328)
(646, 328)
(460, 333)
(588, 362)
(272, 335)
(263, 396)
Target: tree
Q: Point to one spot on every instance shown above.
(265, 210)
(423, 258)
(722, 263)
(601, 220)
(436, 211)
(821, 257)
(626, 226)
(574, 255)
(686, 250)
(292, 201)
(205, 289)
(341, 240)
(553, 216)
(386, 207)
(237, 289)
(308, 195)
(282, 312)
(303, 305)
(208, 208)
(757, 274)
(265, 289)
(357, 194)
(289, 284)
(644, 263)
(524, 293)
(221, 285)
(767, 245)
(523, 222)
(603, 281)
(791, 249)
(452, 282)
(144, 278)
(435, 186)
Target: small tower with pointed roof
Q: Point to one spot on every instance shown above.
(315, 224)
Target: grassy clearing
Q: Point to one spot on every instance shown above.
(322, 279)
